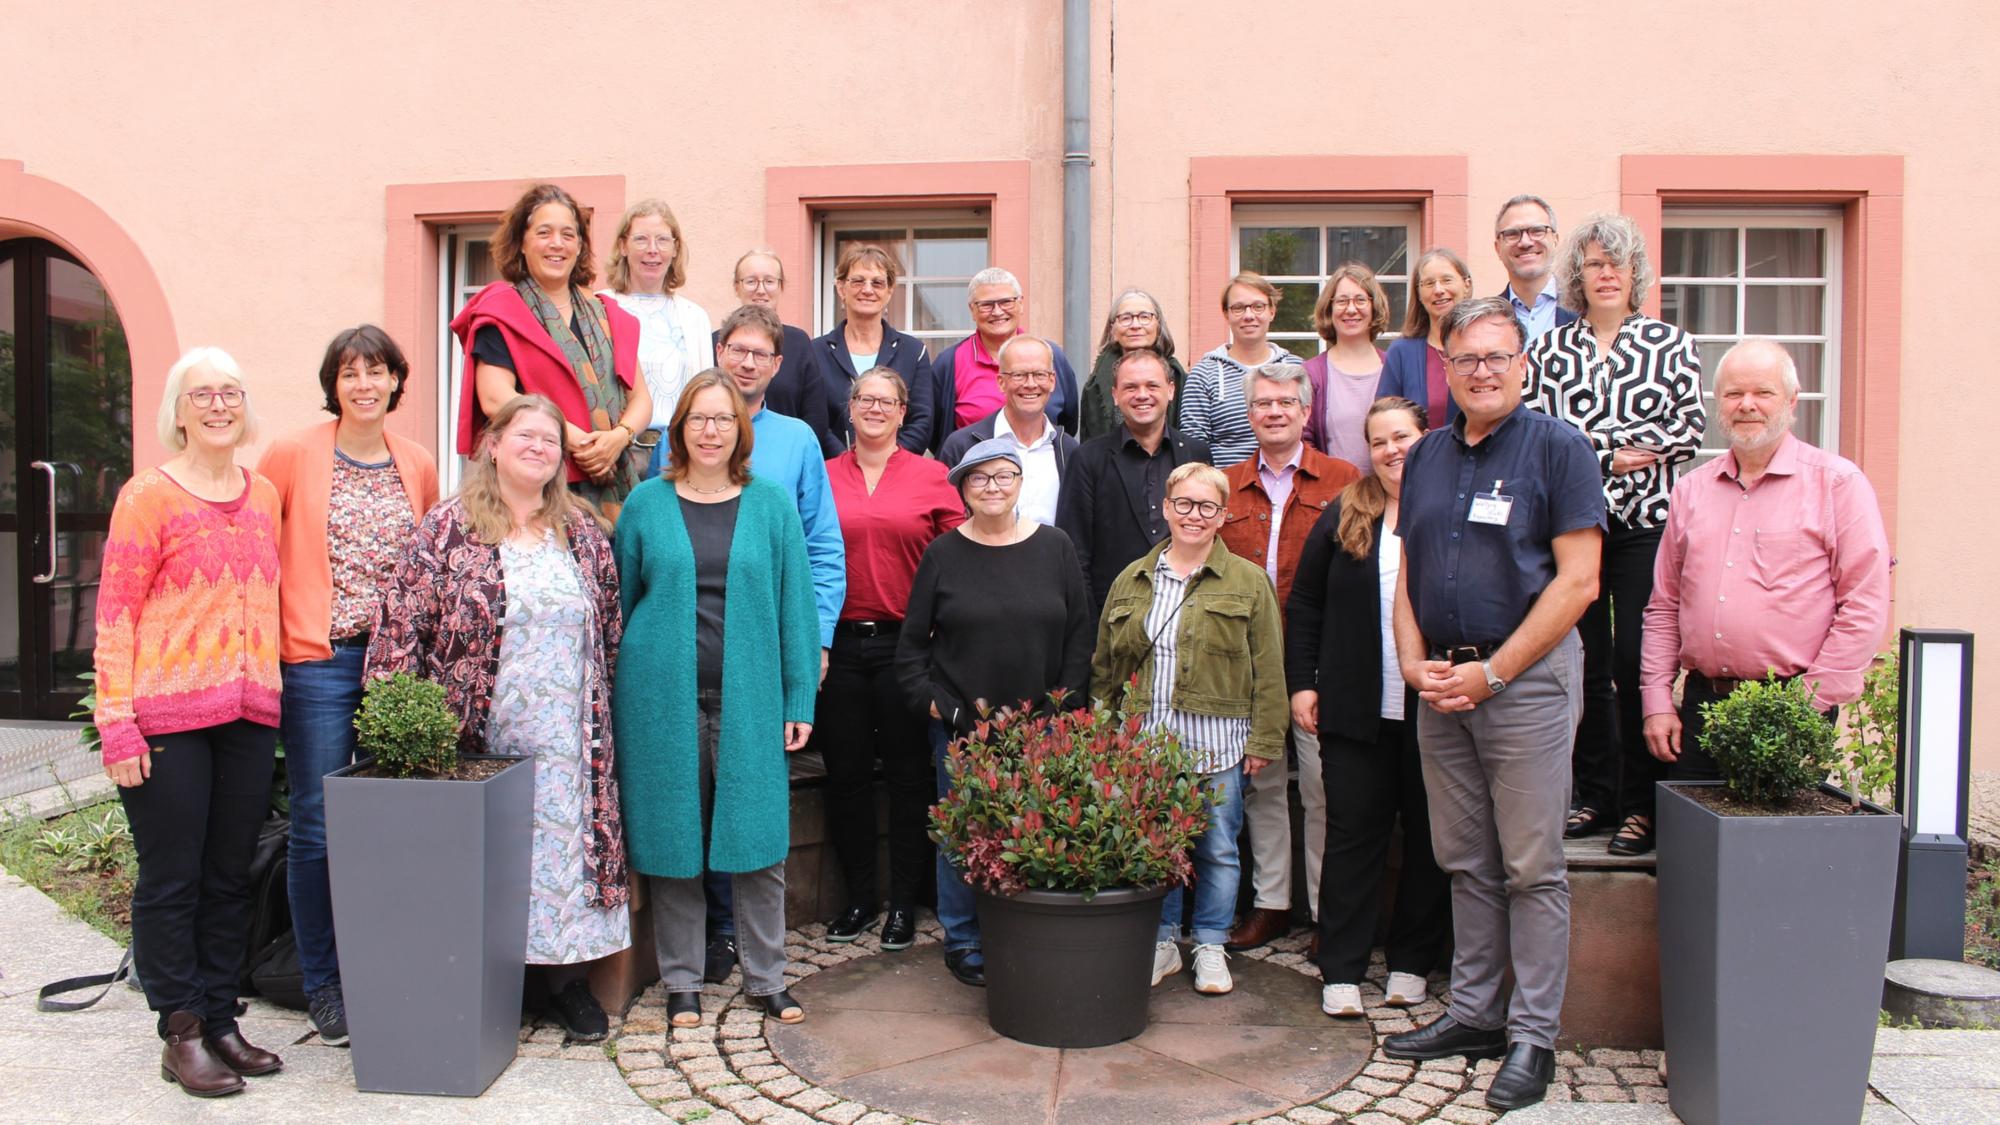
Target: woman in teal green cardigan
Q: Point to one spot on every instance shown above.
(715, 685)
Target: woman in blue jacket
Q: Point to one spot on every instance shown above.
(1414, 367)
(864, 339)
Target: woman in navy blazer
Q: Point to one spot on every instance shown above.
(866, 278)
(1414, 367)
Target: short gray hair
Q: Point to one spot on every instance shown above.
(1000, 356)
(1279, 373)
(1621, 241)
(1754, 347)
(222, 363)
(992, 275)
(1516, 202)
(1472, 310)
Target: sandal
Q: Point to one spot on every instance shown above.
(1635, 836)
(684, 1009)
(780, 1006)
(1583, 821)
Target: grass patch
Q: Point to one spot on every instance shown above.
(83, 860)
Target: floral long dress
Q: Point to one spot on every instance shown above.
(539, 708)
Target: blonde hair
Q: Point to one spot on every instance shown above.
(1417, 320)
(486, 514)
(222, 363)
(1200, 472)
(618, 274)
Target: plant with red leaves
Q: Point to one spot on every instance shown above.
(1080, 800)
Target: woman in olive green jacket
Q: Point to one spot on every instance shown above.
(1199, 628)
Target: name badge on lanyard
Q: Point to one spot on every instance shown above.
(1491, 507)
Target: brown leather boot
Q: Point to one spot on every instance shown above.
(187, 1060)
(243, 1058)
(1258, 927)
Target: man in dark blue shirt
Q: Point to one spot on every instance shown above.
(1502, 521)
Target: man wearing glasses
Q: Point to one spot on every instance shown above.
(1028, 377)
(1502, 524)
(1524, 237)
(965, 385)
(1275, 497)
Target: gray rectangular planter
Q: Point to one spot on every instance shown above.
(430, 908)
(1774, 933)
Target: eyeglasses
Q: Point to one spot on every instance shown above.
(1048, 377)
(760, 282)
(876, 402)
(1124, 320)
(648, 242)
(1351, 302)
(1431, 283)
(723, 423)
(232, 397)
(756, 355)
(1536, 233)
(1005, 478)
(1241, 307)
(988, 308)
(1496, 362)
(541, 438)
(1599, 265)
(865, 282)
(1289, 402)
(1208, 509)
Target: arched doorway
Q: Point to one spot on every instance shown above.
(65, 450)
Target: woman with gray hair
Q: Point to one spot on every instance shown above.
(1135, 321)
(1632, 385)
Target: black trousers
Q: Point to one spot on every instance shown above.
(195, 824)
(1367, 786)
(1611, 770)
(862, 716)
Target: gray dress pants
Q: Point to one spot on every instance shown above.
(1498, 779)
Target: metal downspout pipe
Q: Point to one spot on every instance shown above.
(1076, 189)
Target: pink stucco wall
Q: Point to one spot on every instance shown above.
(238, 158)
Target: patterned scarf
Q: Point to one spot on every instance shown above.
(603, 394)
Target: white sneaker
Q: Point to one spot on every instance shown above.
(1405, 990)
(1340, 1000)
(1166, 961)
(1211, 970)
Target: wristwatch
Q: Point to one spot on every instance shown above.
(1494, 684)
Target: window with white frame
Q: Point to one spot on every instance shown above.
(1775, 272)
(465, 266)
(1297, 247)
(937, 251)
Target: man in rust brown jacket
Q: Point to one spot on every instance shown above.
(1275, 497)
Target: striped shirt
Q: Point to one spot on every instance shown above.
(1217, 742)
(1217, 409)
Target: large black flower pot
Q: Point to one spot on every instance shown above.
(1774, 934)
(1066, 971)
(430, 908)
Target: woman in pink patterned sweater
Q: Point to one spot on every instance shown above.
(187, 704)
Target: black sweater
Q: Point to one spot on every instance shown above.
(1333, 632)
(999, 624)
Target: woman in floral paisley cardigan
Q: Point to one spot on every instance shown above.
(546, 657)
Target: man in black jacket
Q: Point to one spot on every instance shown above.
(1110, 502)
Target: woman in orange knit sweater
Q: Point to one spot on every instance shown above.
(187, 705)
(352, 495)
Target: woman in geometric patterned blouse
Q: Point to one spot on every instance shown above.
(1632, 385)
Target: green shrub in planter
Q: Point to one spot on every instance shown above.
(1769, 740)
(404, 724)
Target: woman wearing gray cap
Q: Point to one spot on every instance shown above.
(998, 617)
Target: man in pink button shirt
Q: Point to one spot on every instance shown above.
(1774, 560)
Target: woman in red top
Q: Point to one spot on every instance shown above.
(892, 503)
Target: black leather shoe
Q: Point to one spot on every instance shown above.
(852, 923)
(1444, 1037)
(900, 931)
(1524, 1078)
(720, 960)
(684, 1009)
(579, 1013)
(962, 966)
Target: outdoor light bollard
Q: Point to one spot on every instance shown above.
(1933, 772)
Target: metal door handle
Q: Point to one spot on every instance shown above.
(50, 469)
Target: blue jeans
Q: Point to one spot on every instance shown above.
(317, 726)
(957, 910)
(1217, 870)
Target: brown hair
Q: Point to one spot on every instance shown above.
(677, 442)
(368, 344)
(888, 375)
(1254, 281)
(1364, 501)
(1417, 322)
(618, 275)
(867, 254)
(1378, 302)
(757, 317)
(486, 514)
(513, 230)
